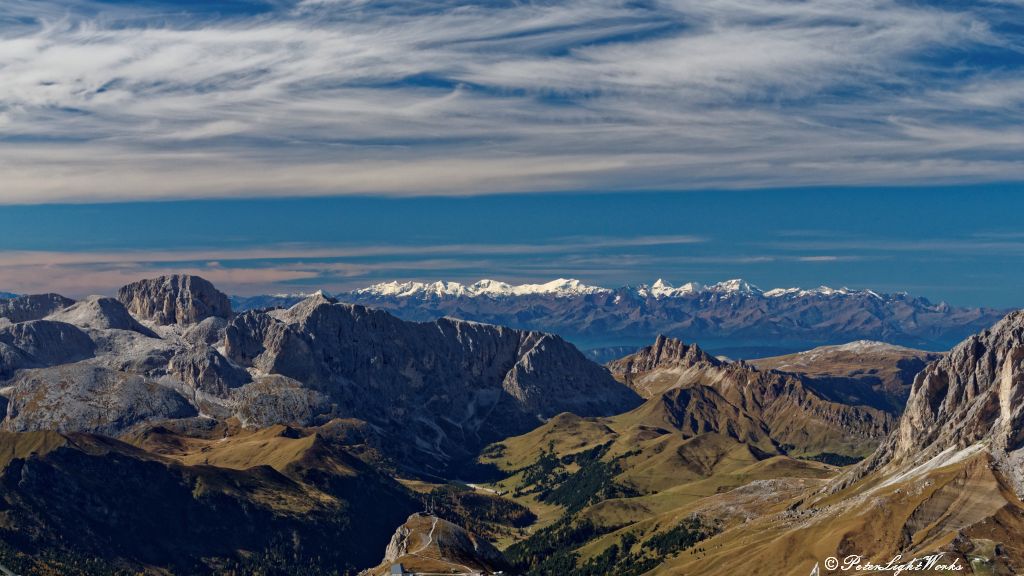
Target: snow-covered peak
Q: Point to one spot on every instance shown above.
(690, 288)
(660, 286)
(491, 287)
(486, 287)
(735, 286)
(569, 287)
(863, 346)
(779, 292)
(819, 291)
(301, 295)
(662, 289)
(403, 289)
(393, 288)
(561, 287)
(827, 291)
(441, 288)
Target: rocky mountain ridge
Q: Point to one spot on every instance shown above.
(774, 410)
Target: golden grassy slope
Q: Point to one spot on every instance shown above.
(959, 509)
(674, 471)
(15, 445)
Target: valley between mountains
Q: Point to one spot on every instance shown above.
(165, 430)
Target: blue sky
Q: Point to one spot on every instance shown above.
(870, 143)
(962, 244)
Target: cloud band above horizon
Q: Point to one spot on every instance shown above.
(109, 100)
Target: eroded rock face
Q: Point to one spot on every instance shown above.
(276, 399)
(973, 398)
(128, 351)
(550, 376)
(176, 299)
(204, 369)
(244, 336)
(32, 307)
(12, 358)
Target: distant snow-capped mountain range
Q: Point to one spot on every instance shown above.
(733, 317)
(568, 287)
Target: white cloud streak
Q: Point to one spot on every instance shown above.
(99, 102)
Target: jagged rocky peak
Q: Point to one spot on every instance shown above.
(662, 289)
(970, 400)
(32, 306)
(735, 286)
(309, 304)
(664, 353)
(176, 299)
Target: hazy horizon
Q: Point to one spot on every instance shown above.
(957, 244)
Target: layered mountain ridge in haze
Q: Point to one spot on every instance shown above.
(734, 318)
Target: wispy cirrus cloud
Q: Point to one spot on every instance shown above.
(107, 101)
(308, 252)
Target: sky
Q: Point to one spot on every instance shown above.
(292, 144)
(960, 244)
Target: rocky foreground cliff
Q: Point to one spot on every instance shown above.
(968, 403)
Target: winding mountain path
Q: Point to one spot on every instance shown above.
(430, 540)
(430, 537)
